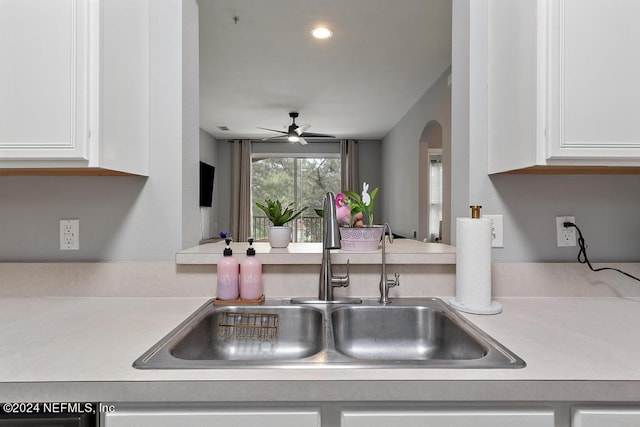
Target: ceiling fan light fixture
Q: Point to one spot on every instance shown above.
(295, 133)
(322, 33)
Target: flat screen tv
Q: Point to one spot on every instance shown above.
(206, 184)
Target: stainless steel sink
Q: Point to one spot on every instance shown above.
(403, 333)
(239, 335)
(409, 333)
(246, 333)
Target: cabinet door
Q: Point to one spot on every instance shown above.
(449, 418)
(618, 417)
(594, 85)
(43, 79)
(208, 417)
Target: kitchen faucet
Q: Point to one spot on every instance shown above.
(385, 282)
(330, 240)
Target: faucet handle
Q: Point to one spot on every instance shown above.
(341, 281)
(391, 283)
(385, 285)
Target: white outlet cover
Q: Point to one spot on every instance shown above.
(497, 234)
(69, 234)
(566, 236)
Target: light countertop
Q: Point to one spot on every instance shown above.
(82, 348)
(401, 251)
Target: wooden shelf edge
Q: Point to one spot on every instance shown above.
(63, 172)
(574, 170)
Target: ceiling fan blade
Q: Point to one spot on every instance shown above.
(274, 137)
(316, 135)
(300, 129)
(273, 130)
(295, 133)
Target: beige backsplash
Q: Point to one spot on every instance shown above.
(171, 280)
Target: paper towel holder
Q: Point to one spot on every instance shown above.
(484, 307)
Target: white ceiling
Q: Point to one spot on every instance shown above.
(383, 57)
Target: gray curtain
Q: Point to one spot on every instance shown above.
(349, 175)
(241, 190)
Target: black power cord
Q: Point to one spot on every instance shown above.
(582, 254)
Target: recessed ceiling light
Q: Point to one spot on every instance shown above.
(322, 33)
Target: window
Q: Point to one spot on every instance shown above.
(435, 195)
(302, 181)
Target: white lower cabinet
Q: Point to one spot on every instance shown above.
(202, 417)
(390, 414)
(448, 418)
(606, 417)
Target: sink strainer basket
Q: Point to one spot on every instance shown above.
(248, 325)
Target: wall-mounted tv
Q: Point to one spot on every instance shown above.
(206, 184)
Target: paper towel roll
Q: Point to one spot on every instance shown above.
(473, 267)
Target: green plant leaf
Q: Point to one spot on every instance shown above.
(275, 214)
(373, 194)
(354, 197)
(356, 210)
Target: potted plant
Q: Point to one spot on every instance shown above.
(353, 210)
(279, 234)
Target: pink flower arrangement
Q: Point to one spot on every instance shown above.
(343, 211)
(351, 208)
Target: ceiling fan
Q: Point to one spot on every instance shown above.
(296, 133)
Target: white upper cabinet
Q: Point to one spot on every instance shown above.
(563, 87)
(74, 86)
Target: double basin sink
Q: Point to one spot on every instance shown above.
(408, 333)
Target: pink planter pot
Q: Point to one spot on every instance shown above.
(361, 238)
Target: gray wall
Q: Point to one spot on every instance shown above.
(401, 157)
(605, 207)
(222, 190)
(208, 215)
(123, 218)
(191, 228)
(370, 171)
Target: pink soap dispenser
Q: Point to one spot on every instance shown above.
(228, 275)
(251, 275)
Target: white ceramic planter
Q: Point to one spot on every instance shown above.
(279, 236)
(361, 238)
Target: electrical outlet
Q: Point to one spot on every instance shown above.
(69, 234)
(497, 236)
(566, 235)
